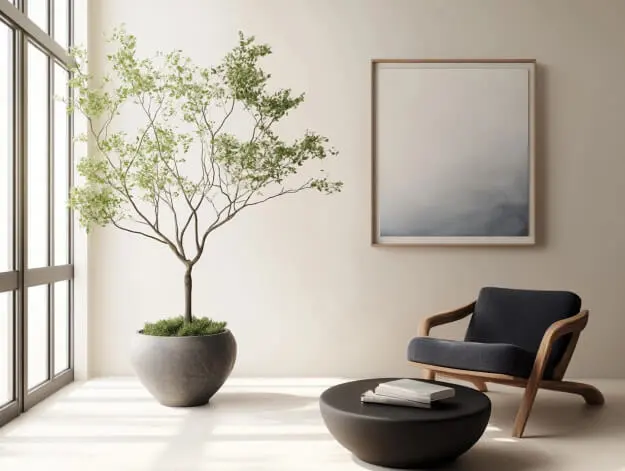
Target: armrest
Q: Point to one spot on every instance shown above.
(575, 323)
(444, 318)
(570, 325)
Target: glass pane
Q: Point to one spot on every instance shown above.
(37, 158)
(61, 23)
(61, 168)
(61, 326)
(6, 348)
(37, 335)
(38, 12)
(6, 147)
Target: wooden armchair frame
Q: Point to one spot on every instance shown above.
(572, 325)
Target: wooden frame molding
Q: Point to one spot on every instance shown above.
(570, 326)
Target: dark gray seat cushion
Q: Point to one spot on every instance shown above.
(488, 357)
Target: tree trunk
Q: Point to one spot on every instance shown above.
(188, 288)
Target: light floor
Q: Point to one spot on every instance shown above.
(114, 425)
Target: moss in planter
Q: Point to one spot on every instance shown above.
(175, 327)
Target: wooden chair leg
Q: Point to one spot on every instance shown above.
(591, 395)
(480, 385)
(429, 375)
(524, 409)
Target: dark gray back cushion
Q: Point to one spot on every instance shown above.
(521, 317)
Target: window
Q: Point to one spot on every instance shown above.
(61, 168)
(37, 328)
(6, 146)
(37, 157)
(6, 349)
(38, 12)
(36, 272)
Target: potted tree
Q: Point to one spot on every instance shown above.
(183, 174)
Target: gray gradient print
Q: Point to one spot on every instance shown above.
(453, 153)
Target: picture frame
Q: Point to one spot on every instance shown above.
(453, 151)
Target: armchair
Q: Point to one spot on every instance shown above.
(520, 338)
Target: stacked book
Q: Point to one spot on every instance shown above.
(408, 392)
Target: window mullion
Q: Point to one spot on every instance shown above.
(15, 221)
(51, 221)
(70, 22)
(20, 77)
(51, 19)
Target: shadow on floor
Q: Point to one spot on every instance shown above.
(562, 415)
(259, 401)
(486, 458)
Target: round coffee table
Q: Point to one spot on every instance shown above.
(404, 437)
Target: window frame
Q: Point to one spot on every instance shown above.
(21, 278)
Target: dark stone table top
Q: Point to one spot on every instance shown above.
(345, 399)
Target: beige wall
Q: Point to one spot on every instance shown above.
(298, 281)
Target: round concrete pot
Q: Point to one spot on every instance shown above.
(183, 371)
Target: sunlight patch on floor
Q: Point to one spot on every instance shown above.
(275, 425)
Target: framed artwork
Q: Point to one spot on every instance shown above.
(453, 152)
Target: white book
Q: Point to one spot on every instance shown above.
(415, 390)
(372, 397)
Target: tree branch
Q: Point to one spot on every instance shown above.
(179, 239)
(305, 186)
(223, 121)
(152, 120)
(126, 194)
(132, 231)
(246, 204)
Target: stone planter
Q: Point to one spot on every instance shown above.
(183, 371)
